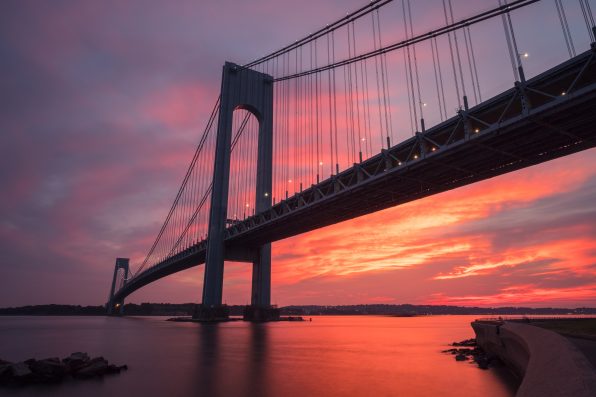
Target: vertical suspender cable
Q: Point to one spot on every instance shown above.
(409, 72)
(420, 102)
(565, 28)
(381, 136)
(359, 135)
(432, 50)
(331, 161)
(474, 63)
(588, 19)
(509, 46)
(452, 57)
(461, 72)
(470, 67)
(385, 79)
(335, 104)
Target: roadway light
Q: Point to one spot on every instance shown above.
(415, 156)
(563, 93)
(477, 130)
(266, 194)
(434, 148)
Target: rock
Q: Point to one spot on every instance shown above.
(95, 367)
(461, 357)
(19, 372)
(53, 369)
(482, 362)
(48, 370)
(78, 356)
(115, 369)
(76, 361)
(5, 373)
(465, 343)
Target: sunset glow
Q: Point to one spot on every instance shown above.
(101, 124)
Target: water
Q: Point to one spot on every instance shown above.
(330, 356)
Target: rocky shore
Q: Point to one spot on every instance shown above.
(52, 370)
(467, 350)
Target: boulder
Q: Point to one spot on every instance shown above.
(48, 370)
(466, 343)
(19, 372)
(53, 369)
(482, 362)
(76, 361)
(95, 367)
(4, 371)
(115, 369)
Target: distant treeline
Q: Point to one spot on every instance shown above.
(414, 310)
(187, 309)
(53, 310)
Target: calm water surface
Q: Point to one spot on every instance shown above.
(330, 356)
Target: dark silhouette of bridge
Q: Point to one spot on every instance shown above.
(279, 161)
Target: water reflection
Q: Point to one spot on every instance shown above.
(330, 357)
(232, 360)
(257, 364)
(207, 355)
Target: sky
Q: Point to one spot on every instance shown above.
(102, 105)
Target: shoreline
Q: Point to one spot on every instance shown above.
(544, 360)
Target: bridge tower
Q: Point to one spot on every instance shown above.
(117, 308)
(241, 88)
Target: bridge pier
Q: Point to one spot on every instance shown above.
(117, 307)
(241, 88)
(260, 308)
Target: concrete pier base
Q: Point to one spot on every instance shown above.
(212, 313)
(259, 314)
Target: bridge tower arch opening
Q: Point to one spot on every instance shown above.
(252, 91)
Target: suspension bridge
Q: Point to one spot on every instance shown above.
(365, 114)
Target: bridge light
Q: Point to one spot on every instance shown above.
(424, 104)
(399, 163)
(477, 130)
(563, 93)
(266, 194)
(363, 139)
(525, 55)
(247, 205)
(434, 148)
(320, 163)
(289, 181)
(415, 156)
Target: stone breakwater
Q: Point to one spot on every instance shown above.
(52, 370)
